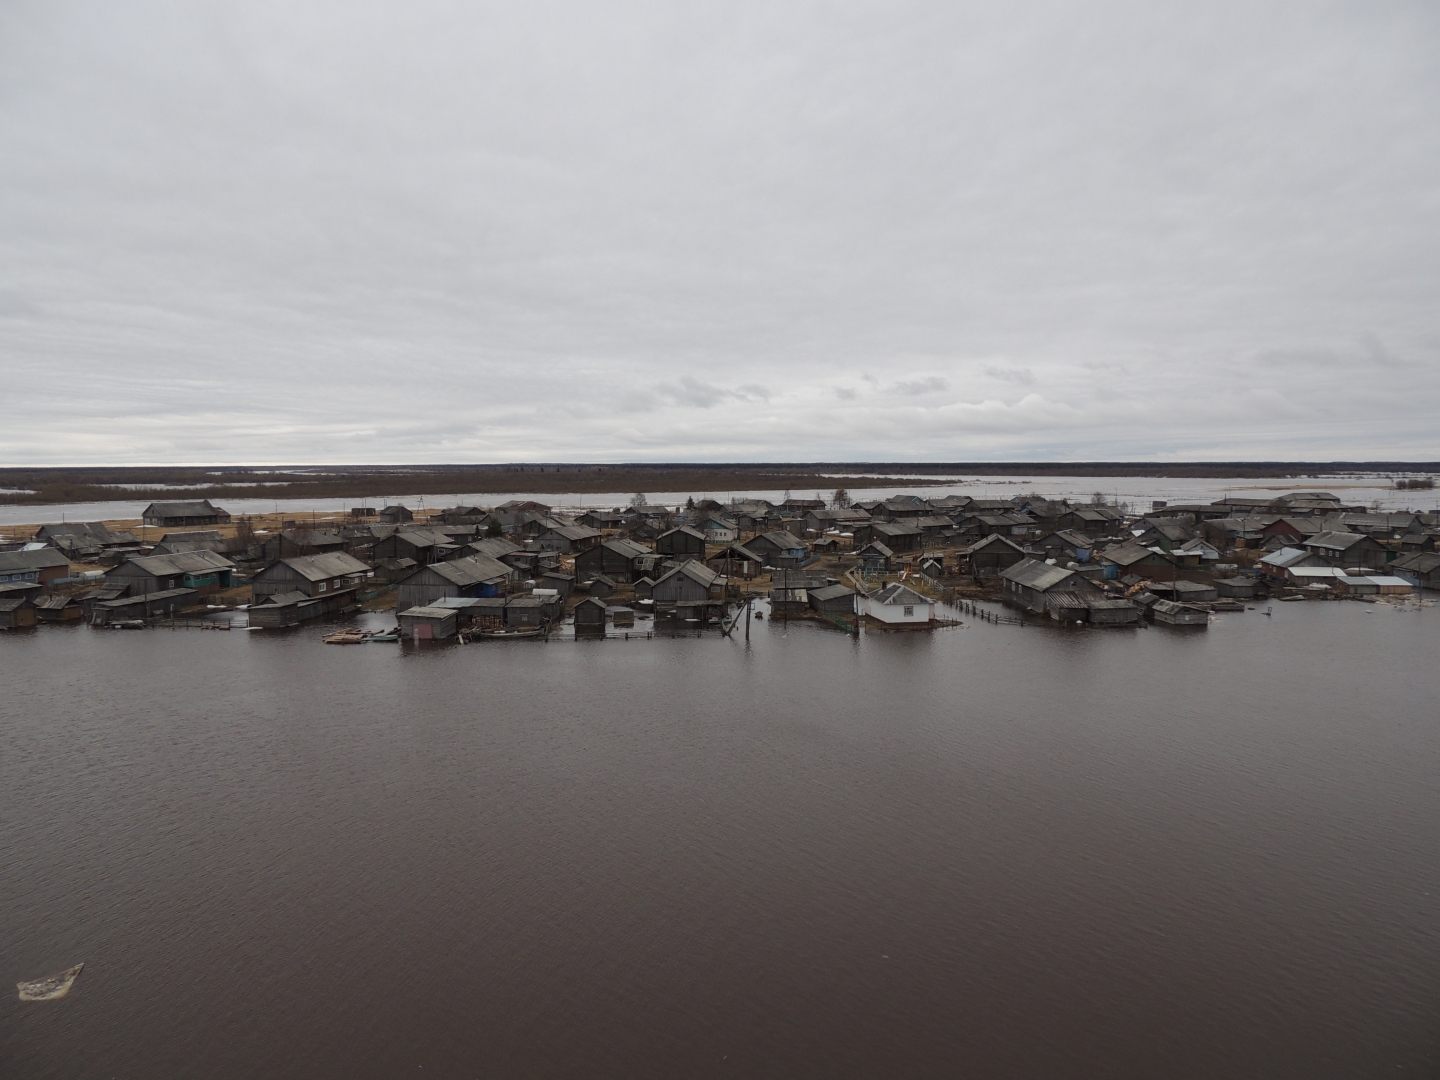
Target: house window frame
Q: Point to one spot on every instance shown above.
(324, 585)
(909, 611)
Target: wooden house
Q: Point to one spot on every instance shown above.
(533, 612)
(204, 571)
(424, 545)
(875, 557)
(171, 515)
(691, 582)
(681, 541)
(313, 575)
(1066, 545)
(735, 561)
(38, 566)
(602, 586)
(476, 575)
(896, 535)
(986, 558)
(1347, 549)
(1420, 568)
(1030, 581)
(779, 548)
(156, 604)
(617, 559)
(396, 515)
(1130, 558)
(561, 582)
(568, 539)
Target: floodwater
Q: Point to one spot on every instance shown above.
(1136, 491)
(989, 851)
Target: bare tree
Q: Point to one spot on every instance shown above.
(637, 500)
(840, 500)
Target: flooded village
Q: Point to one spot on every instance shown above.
(524, 569)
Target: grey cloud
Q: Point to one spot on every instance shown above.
(934, 384)
(507, 231)
(691, 391)
(1022, 376)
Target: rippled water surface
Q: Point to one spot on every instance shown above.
(991, 851)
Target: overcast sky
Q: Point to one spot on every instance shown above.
(330, 232)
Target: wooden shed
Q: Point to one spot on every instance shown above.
(16, 612)
(428, 623)
(1236, 588)
(590, 617)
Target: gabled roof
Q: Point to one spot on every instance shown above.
(422, 536)
(1422, 562)
(471, 570)
(878, 548)
(201, 508)
(898, 594)
(494, 546)
(1071, 537)
(627, 549)
(1129, 554)
(55, 603)
(696, 571)
(322, 567)
(831, 592)
(1037, 575)
(573, 532)
(1285, 556)
(735, 551)
(1334, 541)
(686, 529)
(32, 560)
(182, 562)
(993, 540)
(781, 539)
(895, 528)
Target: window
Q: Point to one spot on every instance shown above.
(322, 586)
(909, 610)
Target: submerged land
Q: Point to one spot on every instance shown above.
(45, 486)
(908, 561)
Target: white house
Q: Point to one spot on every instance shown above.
(719, 531)
(898, 605)
(1208, 551)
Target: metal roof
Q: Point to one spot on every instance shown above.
(1037, 575)
(831, 592)
(192, 508)
(898, 594)
(32, 560)
(328, 565)
(472, 570)
(1334, 541)
(182, 562)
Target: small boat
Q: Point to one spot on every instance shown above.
(492, 635)
(127, 624)
(52, 989)
(383, 635)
